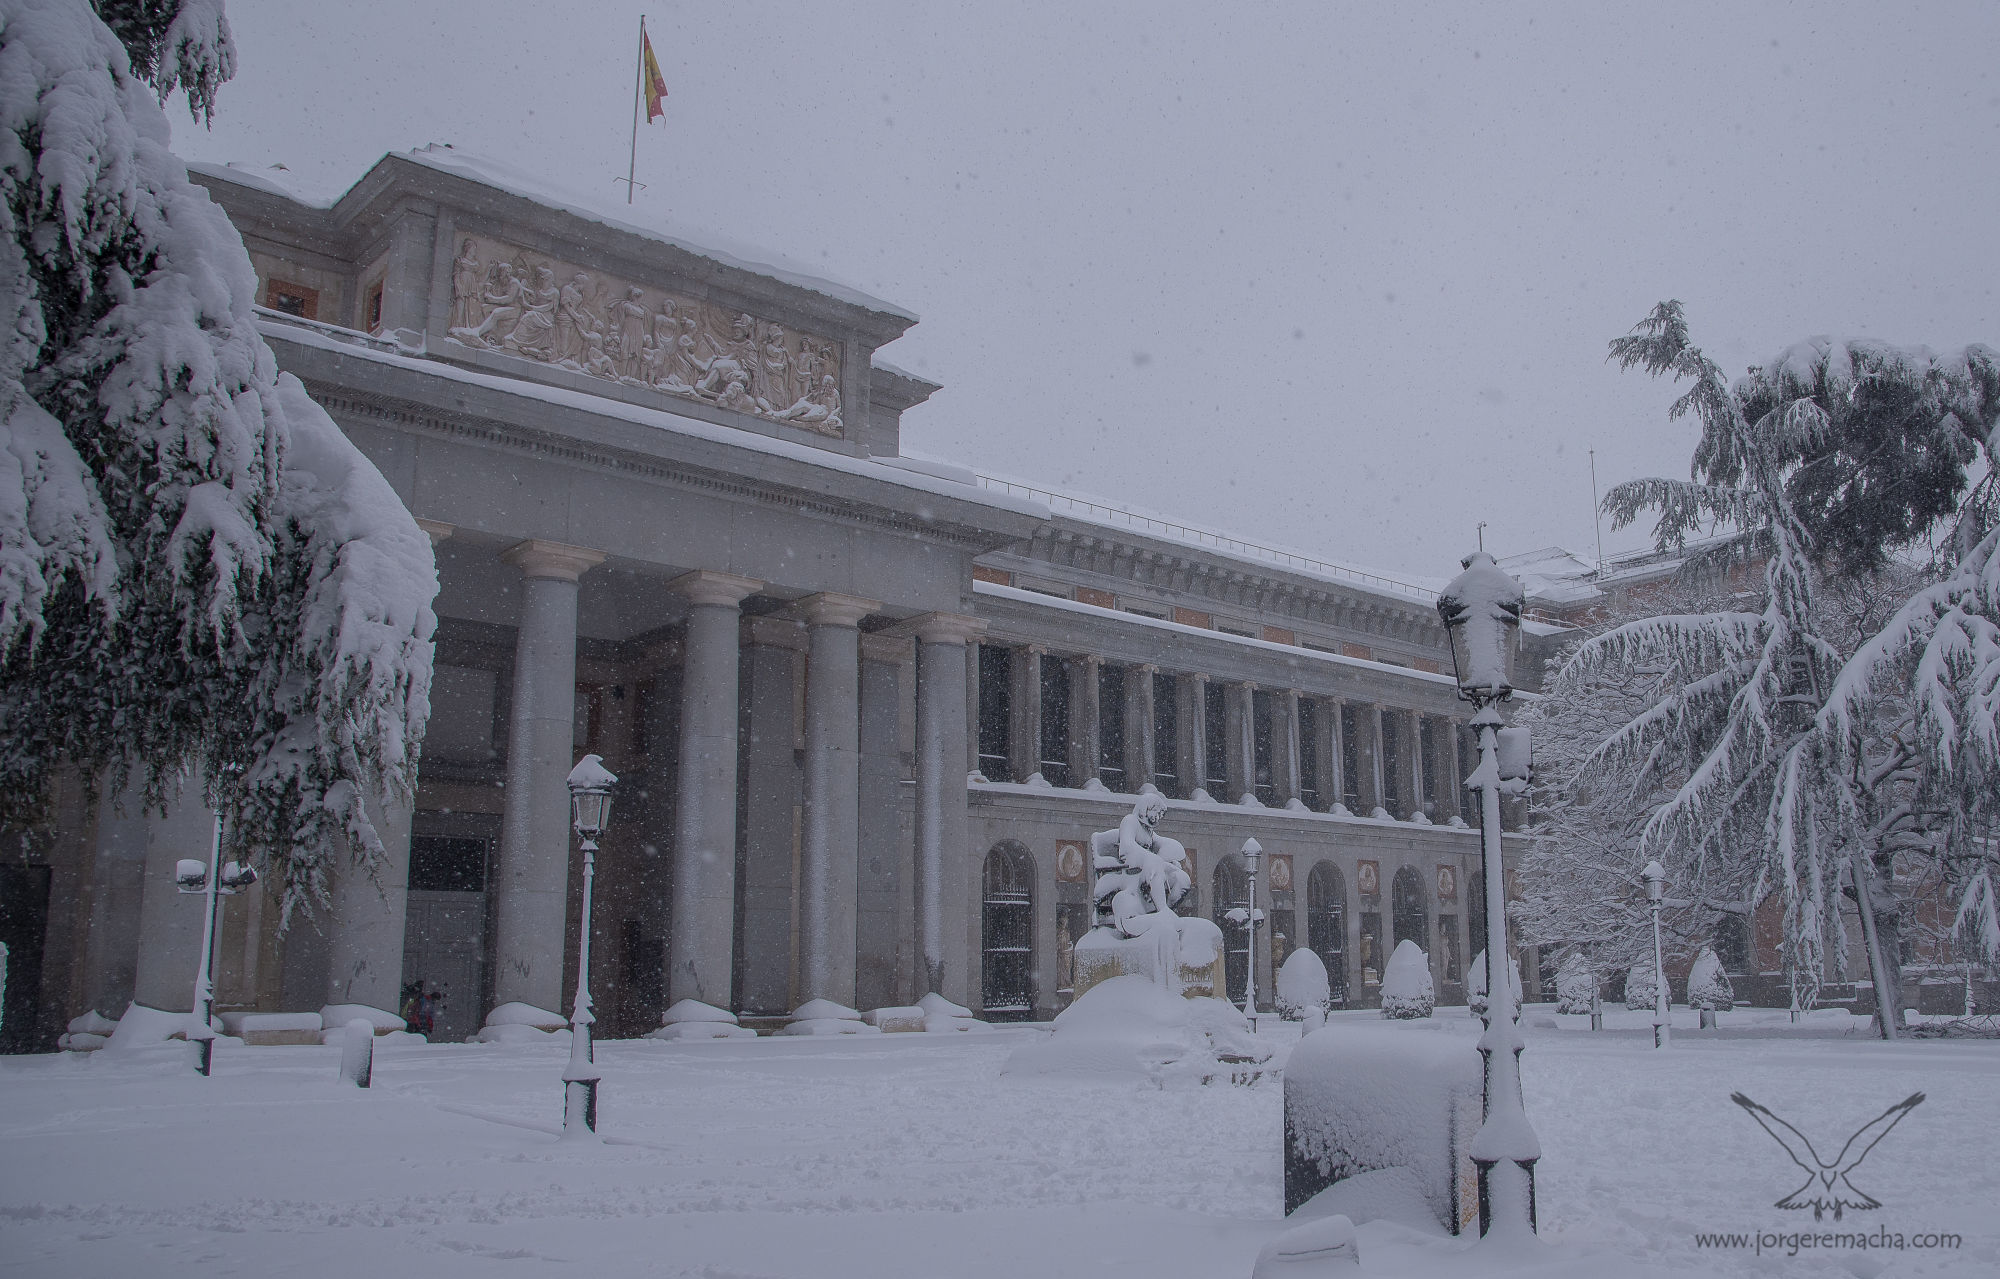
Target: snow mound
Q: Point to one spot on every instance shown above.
(142, 1026)
(814, 1009)
(1302, 985)
(1229, 1033)
(942, 1017)
(338, 1015)
(1318, 1248)
(896, 1019)
(513, 1035)
(91, 1023)
(1386, 1194)
(686, 1031)
(1129, 1025)
(1475, 989)
(828, 1026)
(1406, 986)
(693, 1010)
(515, 1014)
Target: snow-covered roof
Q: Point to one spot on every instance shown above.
(513, 180)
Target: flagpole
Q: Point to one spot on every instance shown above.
(638, 95)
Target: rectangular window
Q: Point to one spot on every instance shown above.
(1350, 755)
(1166, 736)
(1372, 958)
(1427, 752)
(1228, 628)
(1448, 946)
(1111, 727)
(439, 864)
(1215, 742)
(1263, 744)
(1309, 753)
(292, 299)
(1055, 722)
(996, 707)
(371, 311)
(1392, 764)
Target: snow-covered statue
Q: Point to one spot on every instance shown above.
(1140, 876)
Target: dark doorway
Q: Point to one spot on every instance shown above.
(24, 925)
(1408, 917)
(1232, 889)
(1326, 925)
(1007, 933)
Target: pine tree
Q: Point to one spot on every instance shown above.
(1642, 984)
(1576, 984)
(1810, 743)
(197, 570)
(1407, 991)
(1708, 989)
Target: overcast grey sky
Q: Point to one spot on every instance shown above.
(1334, 277)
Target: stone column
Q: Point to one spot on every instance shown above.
(1025, 711)
(947, 923)
(170, 921)
(366, 917)
(1085, 728)
(118, 886)
(1445, 765)
(1288, 771)
(1326, 748)
(831, 837)
(531, 894)
(765, 974)
(1139, 726)
(702, 924)
(1190, 726)
(1239, 737)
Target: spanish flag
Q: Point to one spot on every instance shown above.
(651, 82)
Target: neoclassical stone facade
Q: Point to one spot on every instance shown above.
(863, 708)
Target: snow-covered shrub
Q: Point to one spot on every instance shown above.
(1576, 984)
(1640, 985)
(1475, 985)
(1406, 988)
(1302, 985)
(1708, 986)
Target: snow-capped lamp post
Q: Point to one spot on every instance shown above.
(1249, 916)
(590, 811)
(214, 881)
(1655, 876)
(1481, 611)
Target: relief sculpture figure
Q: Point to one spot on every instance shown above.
(466, 273)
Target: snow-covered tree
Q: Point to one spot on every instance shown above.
(1806, 743)
(1576, 984)
(1642, 984)
(1708, 986)
(1407, 991)
(1302, 985)
(198, 571)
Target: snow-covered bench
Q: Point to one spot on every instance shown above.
(1378, 1118)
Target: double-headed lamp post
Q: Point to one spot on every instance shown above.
(1655, 876)
(590, 810)
(1481, 611)
(214, 881)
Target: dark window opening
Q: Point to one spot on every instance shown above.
(1263, 745)
(1732, 943)
(1326, 925)
(440, 864)
(1408, 912)
(1166, 737)
(1055, 722)
(1427, 753)
(996, 706)
(292, 299)
(1232, 890)
(372, 312)
(1392, 765)
(1371, 948)
(1215, 741)
(1309, 754)
(1111, 727)
(1350, 755)
(1448, 946)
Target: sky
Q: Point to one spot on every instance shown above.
(1329, 277)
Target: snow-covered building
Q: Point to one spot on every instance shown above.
(866, 708)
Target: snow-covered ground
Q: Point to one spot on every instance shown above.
(910, 1155)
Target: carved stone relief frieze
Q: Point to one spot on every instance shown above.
(516, 301)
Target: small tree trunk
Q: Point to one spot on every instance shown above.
(1888, 977)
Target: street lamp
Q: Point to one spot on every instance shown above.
(1655, 876)
(1249, 916)
(590, 810)
(214, 881)
(1481, 611)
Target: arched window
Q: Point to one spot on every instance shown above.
(1007, 933)
(1732, 943)
(1409, 918)
(1326, 925)
(1232, 889)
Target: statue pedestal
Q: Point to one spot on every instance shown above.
(1183, 956)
